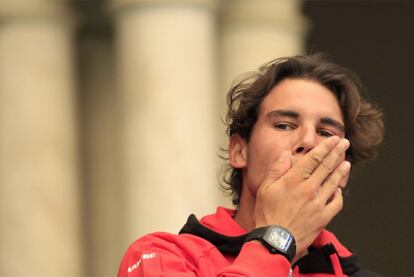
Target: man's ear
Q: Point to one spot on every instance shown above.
(237, 151)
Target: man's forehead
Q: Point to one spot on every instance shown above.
(302, 95)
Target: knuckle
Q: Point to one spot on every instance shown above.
(328, 165)
(307, 174)
(339, 202)
(326, 147)
(315, 159)
(274, 174)
(309, 193)
(320, 203)
(333, 181)
(336, 176)
(329, 180)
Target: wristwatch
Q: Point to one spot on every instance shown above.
(276, 239)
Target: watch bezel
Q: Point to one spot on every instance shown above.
(281, 232)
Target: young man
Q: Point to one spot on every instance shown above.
(295, 128)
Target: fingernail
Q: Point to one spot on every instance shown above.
(346, 166)
(345, 142)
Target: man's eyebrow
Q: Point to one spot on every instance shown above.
(283, 113)
(334, 123)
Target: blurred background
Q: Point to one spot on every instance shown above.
(110, 120)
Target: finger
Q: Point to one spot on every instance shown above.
(334, 206)
(280, 167)
(344, 181)
(332, 183)
(330, 162)
(304, 168)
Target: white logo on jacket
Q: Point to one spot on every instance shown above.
(145, 256)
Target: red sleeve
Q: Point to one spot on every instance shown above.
(150, 258)
(255, 260)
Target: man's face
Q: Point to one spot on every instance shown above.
(295, 116)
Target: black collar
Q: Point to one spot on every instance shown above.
(317, 261)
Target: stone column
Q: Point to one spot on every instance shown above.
(166, 55)
(100, 146)
(256, 31)
(39, 216)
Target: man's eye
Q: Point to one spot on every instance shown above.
(284, 126)
(325, 133)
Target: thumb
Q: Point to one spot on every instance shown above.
(280, 167)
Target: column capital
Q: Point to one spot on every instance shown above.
(117, 5)
(21, 9)
(263, 12)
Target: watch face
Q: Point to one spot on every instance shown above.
(279, 238)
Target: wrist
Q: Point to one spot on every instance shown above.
(276, 239)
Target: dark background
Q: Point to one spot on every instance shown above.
(376, 40)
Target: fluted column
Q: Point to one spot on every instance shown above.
(166, 80)
(39, 216)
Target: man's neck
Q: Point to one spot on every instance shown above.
(245, 214)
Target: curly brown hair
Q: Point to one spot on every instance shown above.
(364, 126)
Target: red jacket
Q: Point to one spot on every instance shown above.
(214, 247)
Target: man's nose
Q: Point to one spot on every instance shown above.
(306, 141)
